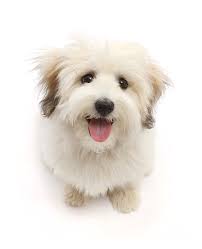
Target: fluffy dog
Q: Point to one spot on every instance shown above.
(96, 133)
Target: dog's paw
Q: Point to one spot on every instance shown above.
(124, 200)
(74, 198)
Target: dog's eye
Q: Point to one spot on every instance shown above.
(87, 78)
(123, 83)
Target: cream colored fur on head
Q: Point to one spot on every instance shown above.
(121, 73)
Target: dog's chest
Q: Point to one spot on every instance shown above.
(97, 176)
(92, 175)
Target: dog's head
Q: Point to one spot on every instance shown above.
(104, 92)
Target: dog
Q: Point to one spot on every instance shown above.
(96, 129)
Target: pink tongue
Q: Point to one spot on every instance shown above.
(99, 129)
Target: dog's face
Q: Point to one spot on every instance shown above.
(105, 92)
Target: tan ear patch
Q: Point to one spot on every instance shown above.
(50, 88)
(49, 68)
(149, 121)
(159, 80)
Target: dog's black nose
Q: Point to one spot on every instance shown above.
(104, 106)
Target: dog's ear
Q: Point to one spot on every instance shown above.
(159, 80)
(49, 66)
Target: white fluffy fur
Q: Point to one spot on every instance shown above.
(90, 172)
(126, 156)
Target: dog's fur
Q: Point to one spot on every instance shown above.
(116, 166)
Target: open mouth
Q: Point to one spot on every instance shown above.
(99, 128)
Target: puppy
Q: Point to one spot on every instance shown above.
(96, 130)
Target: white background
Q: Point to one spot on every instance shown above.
(32, 211)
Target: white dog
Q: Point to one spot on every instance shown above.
(96, 131)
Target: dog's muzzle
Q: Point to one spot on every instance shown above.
(104, 106)
(100, 128)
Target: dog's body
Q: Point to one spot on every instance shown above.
(97, 133)
(91, 173)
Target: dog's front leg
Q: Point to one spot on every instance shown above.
(74, 197)
(124, 199)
